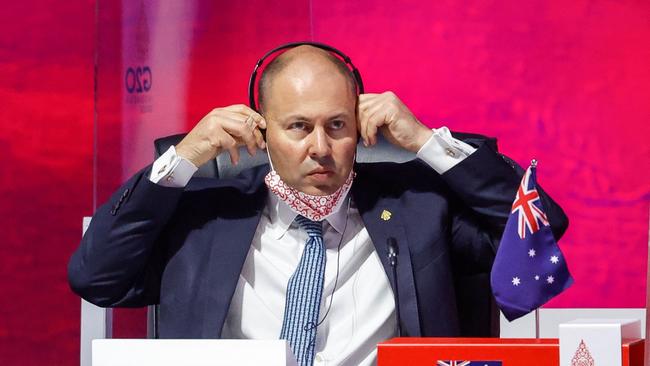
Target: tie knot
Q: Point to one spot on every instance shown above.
(313, 228)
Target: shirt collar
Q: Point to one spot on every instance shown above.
(282, 216)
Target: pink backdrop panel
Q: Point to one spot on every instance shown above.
(46, 109)
(564, 82)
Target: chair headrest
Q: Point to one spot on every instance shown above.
(382, 151)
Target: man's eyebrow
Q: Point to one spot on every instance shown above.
(339, 116)
(294, 117)
(300, 117)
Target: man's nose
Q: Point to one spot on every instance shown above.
(319, 144)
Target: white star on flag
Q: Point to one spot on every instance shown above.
(531, 253)
(550, 279)
(536, 278)
(516, 281)
(555, 259)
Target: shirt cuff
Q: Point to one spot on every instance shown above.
(442, 152)
(171, 170)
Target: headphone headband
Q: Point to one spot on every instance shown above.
(251, 83)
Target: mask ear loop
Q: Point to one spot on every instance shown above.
(354, 161)
(268, 154)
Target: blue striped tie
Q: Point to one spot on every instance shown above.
(304, 294)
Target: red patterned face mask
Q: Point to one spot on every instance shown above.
(315, 208)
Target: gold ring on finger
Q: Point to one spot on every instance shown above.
(249, 121)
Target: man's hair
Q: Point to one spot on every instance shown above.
(281, 62)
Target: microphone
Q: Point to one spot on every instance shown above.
(393, 251)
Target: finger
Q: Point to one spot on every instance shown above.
(234, 155)
(259, 120)
(233, 149)
(248, 111)
(240, 108)
(364, 98)
(244, 132)
(362, 120)
(250, 122)
(241, 117)
(366, 130)
(375, 120)
(259, 138)
(229, 143)
(366, 101)
(374, 108)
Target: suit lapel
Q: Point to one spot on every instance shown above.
(231, 238)
(382, 217)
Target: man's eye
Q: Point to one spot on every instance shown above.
(298, 126)
(337, 124)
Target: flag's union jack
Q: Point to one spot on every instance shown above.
(453, 363)
(529, 215)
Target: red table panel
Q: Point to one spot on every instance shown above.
(512, 352)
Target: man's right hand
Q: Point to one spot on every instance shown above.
(222, 129)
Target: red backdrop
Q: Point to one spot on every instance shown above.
(46, 140)
(564, 82)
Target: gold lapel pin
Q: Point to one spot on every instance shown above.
(385, 215)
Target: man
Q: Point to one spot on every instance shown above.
(226, 258)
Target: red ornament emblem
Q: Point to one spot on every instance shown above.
(582, 357)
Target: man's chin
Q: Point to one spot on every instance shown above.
(320, 184)
(319, 190)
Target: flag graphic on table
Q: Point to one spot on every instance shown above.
(469, 363)
(529, 268)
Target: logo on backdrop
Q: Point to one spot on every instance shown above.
(138, 77)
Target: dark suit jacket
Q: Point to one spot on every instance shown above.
(184, 248)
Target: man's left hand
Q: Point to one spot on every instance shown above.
(387, 113)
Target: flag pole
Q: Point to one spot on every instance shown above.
(537, 324)
(533, 163)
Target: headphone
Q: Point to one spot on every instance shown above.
(253, 80)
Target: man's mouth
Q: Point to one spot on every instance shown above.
(320, 174)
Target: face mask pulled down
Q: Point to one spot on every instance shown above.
(315, 208)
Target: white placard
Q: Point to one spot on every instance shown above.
(595, 341)
(191, 352)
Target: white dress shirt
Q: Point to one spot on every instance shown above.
(357, 308)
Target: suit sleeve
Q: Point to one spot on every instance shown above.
(485, 184)
(121, 256)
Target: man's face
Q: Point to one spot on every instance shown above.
(311, 126)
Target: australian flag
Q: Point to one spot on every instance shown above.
(529, 268)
